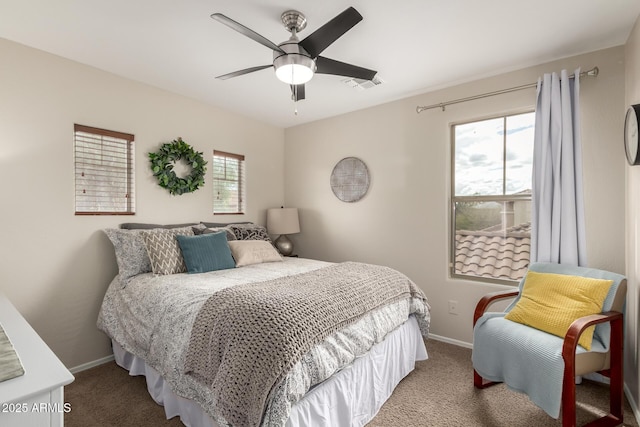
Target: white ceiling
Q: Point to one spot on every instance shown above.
(415, 45)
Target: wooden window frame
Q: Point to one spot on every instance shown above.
(127, 164)
(241, 181)
(498, 198)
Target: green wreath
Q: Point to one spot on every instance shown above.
(162, 163)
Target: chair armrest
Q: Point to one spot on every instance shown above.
(615, 347)
(489, 299)
(579, 325)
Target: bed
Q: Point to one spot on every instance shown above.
(159, 328)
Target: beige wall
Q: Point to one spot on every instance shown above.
(632, 344)
(403, 220)
(55, 266)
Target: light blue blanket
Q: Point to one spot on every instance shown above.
(529, 360)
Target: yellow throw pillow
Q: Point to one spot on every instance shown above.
(551, 302)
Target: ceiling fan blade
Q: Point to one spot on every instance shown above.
(331, 66)
(321, 38)
(242, 72)
(246, 31)
(297, 92)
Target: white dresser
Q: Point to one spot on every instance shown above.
(36, 398)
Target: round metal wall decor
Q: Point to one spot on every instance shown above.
(350, 179)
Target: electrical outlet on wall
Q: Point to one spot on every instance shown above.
(453, 307)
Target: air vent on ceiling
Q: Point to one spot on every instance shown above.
(360, 84)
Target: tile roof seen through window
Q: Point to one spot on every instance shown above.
(497, 254)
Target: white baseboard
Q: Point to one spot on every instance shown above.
(450, 341)
(632, 403)
(90, 365)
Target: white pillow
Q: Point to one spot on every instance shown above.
(247, 252)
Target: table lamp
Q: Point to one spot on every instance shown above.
(283, 221)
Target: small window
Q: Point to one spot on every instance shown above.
(228, 184)
(104, 172)
(491, 202)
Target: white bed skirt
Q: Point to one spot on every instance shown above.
(349, 398)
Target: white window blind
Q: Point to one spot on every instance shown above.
(228, 183)
(104, 172)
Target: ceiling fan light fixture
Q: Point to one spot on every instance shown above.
(294, 69)
(294, 61)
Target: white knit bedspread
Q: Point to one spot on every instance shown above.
(152, 317)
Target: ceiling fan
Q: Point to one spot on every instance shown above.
(295, 62)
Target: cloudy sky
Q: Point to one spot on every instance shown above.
(479, 160)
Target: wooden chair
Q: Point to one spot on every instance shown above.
(608, 364)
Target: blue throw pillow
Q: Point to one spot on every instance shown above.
(206, 252)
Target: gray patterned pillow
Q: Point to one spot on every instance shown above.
(210, 230)
(250, 232)
(131, 253)
(164, 251)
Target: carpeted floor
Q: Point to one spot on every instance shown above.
(439, 393)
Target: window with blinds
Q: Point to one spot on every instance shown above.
(228, 184)
(104, 172)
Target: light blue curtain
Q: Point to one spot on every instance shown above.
(557, 220)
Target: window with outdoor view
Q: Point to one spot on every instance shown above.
(104, 173)
(491, 197)
(228, 183)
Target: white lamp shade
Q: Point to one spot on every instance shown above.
(294, 69)
(283, 221)
(294, 74)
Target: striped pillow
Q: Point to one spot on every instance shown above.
(164, 251)
(206, 252)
